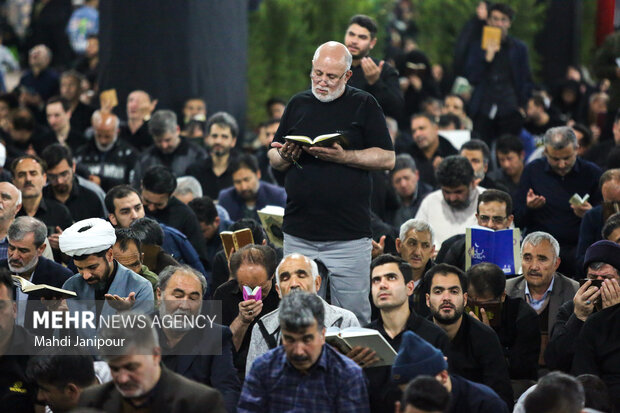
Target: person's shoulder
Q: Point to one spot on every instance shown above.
(227, 194)
(96, 396)
(263, 364)
(590, 166)
(53, 265)
(434, 196)
(479, 330)
(335, 312)
(566, 281)
(479, 392)
(607, 316)
(513, 282)
(224, 290)
(335, 361)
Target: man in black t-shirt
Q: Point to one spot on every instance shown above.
(328, 189)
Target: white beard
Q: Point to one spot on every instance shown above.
(27, 267)
(331, 95)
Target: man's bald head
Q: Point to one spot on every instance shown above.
(10, 201)
(333, 51)
(105, 126)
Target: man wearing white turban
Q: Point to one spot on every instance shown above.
(100, 276)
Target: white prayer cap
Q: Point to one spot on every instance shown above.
(88, 236)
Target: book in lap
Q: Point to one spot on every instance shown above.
(501, 248)
(327, 139)
(42, 290)
(344, 340)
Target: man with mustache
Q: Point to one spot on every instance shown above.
(200, 354)
(329, 188)
(214, 174)
(451, 209)
(248, 193)
(540, 285)
(547, 184)
(475, 351)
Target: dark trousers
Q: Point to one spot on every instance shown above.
(491, 129)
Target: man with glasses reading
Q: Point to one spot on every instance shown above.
(494, 212)
(328, 188)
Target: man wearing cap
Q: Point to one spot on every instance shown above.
(101, 277)
(602, 262)
(417, 357)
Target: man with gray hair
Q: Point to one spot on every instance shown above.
(11, 203)
(26, 243)
(200, 354)
(328, 187)
(405, 180)
(141, 383)
(544, 289)
(169, 148)
(295, 272)
(544, 199)
(303, 371)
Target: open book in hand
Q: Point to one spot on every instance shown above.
(272, 218)
(321, 140)
(501, 248)
(344, 340)
(577, 201)
(42, 290)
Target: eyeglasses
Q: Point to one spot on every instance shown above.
(331, 78)
(495, 219)
(55, 177)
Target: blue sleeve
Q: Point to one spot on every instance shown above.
(254, 397)
(144, 297)
(353, 395)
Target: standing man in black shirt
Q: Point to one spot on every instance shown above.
(328, 206)
(375, 77)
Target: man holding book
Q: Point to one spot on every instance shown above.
(328, 188)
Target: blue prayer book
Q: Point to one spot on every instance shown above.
(501, 248)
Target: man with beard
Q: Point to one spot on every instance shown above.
(64, 186)
(451, 209)
(169, 148)
(375, 77)
(200, 354)
(248, 194)
(100, 276)
(26, 239)
(478, 154)
(110, 161)
(214, 174)
(475, 351)
(328, 188)
(10, 203)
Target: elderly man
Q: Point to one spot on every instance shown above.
(542, 202)
(200, 354)
(135, 132)
(303, 373)
(451, 209)
(602, 262)
(540, 285)
(110, 161)
(169, 148)
(141, 383)
(295, 272)
(11, 201)
(329, 218)
(100, 276)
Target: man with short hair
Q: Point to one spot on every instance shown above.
(391, 286)
(188, 188)
(248, 194)
(303, 371)
(516, 324)
(429, 148)
(194, 108)
(451, 209)
(200, 354)
(541, 286)
(39, 82)
(214, 174)
(556, 392)
(252, 266)
(405, 179)
(424, 394)
(375, 77)
(11, 201)
(501, 78)
(475, 351)
(158, 184)
(64, 187)
(325, 217)
(100, 276)
(110, 161)
(416, 358)
(455, 105)
(141, 383)
(58, 112)
(511, 159)
(611, 229)
(29, 177)
(295, 272)
(71, 90)
(135, 132)
(127, 250)
(478, 154)
(61, 379)
(494, 211)
(542, 200)
(169, 148)
(602, 262)
(537, 117)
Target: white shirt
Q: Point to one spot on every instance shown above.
(445, 220)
